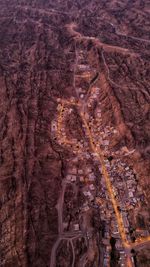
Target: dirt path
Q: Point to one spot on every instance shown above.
(42, 11)
(119, 85)
(109, 48)
(128, 36)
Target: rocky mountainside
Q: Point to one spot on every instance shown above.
(39, 45)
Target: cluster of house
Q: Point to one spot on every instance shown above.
(126, 189)
(83, 73)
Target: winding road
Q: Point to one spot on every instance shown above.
(71, 28)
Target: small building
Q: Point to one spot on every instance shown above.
(91, 177)
(126, 223)
(131, 194)
(91, 186)
(71, 177)
(65, 225)
(76, 227)
(86, 208)
(81, 179)
(88, 170)
(54, 126)
(82, 96)
(83, 67)
(80, 172)
(106, 241)
(74, 170)
(106, 143)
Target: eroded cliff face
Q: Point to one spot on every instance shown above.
(38, 42)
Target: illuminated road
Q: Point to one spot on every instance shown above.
(129, 261)
(108, 183)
